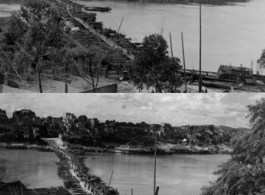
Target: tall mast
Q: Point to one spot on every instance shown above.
(171, 45)
(184, 62)
(200, 63)
(155, 166)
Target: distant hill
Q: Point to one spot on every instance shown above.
(231, 129)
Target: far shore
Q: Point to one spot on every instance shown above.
(91, 149)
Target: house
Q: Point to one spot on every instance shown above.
(239, 74)
(3, 118)
(93, 122)
(71, 117)
(27, 121)
(23, 113)
(186, 127)
(37, 121)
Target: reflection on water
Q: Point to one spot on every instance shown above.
(176, 175)
(34, 169)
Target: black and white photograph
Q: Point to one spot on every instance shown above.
(132, 97)
(143, 144)
(132, 46)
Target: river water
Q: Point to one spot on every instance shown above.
(34, 169)
(232, 30)
(176, 174)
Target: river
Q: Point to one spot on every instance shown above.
(232, 30)
(176, 174)
(34, 169)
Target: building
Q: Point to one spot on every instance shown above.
(69, 118)
(234, 73)
(26, 121)
(23, 116)
(3, 118)
(37, 121)
(93, 122)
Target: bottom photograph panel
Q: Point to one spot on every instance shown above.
(132, 144)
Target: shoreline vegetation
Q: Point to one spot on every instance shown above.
(125, 149)
(109, 55)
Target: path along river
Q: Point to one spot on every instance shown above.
(176, 174)
(232, 30)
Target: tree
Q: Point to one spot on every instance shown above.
(153, 67)
(244, 173)
(37, 37)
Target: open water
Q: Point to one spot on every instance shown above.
(176, 174)
(34, 169)
(232, 30)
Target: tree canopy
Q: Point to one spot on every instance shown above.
(36, 38)
(244, 173)
(153, 67)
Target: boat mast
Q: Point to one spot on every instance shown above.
(200, 63)
(155, 165)
(171, 45)
(184, 63)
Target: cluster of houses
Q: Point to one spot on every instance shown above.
(26, 125)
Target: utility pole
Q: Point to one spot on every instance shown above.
(200, 63)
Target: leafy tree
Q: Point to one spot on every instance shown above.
(244, 173)
(153, 67)
(37, 37)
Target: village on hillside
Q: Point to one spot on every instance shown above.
(83, 134)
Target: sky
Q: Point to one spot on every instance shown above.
(176, 109)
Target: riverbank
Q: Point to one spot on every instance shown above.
(26, 146)
(162, 149)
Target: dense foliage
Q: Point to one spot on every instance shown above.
(153, 67)
(244, 173)
(36, 38)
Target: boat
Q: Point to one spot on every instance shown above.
(98, 9)
(219, 84)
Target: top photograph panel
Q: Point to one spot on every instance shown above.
(132, 46)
